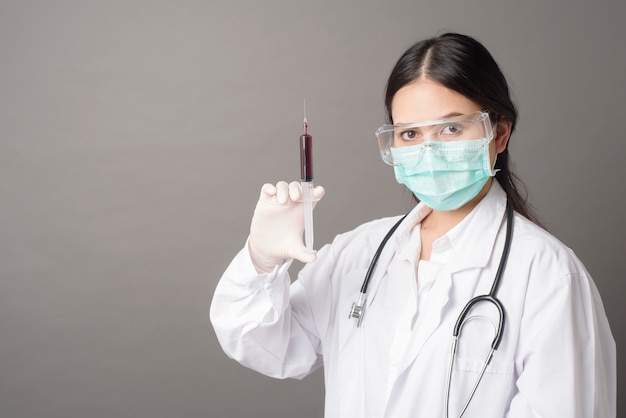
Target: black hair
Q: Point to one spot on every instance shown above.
(461, 63)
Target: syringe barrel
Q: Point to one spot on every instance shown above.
(306, 157)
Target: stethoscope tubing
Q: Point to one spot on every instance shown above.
(357, 311)
(490, 298)
(358, 308)
(374, 261)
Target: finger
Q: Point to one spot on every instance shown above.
(282, 192)
(318, 192)
(295, 191)
(268, 190)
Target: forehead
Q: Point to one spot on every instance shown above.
(426, 100)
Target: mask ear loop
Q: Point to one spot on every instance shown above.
(494, 170)
(494, 118)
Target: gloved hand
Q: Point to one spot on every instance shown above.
(277, 228)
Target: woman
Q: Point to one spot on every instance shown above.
(451, 118)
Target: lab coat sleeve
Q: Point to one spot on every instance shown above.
(252, 317)
(566, 350)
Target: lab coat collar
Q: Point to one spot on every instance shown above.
(474, 238)
(398, 246)
(481, 224)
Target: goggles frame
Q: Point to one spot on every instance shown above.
(387, 138)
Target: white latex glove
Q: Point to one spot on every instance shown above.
(276, 232)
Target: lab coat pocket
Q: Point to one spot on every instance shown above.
(475, 340)
(495, 389)
(475, 365)
(497, 384)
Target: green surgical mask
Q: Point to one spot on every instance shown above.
(444, 175)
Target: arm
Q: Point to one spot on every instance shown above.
(252, 306)
(252, 317)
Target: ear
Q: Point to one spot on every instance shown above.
(501, 134)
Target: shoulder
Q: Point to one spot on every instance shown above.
(543, 253)
(544, 278)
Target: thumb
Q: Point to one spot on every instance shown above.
(303, 254)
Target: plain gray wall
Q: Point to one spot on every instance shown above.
(135, 136)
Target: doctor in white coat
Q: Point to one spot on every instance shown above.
(450, 120)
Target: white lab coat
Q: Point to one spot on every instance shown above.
(557, 356)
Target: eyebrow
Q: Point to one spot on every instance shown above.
(448, 115)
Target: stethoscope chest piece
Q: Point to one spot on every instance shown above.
(357, 311)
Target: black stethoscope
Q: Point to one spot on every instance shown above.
(358, 308)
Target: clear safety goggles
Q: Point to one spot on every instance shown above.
(472, 126)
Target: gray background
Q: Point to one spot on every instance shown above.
(135, 135)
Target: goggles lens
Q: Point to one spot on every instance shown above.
(468, 127)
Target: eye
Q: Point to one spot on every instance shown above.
(451, 129)
(409, 135)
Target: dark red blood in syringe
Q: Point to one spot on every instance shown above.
(306, 155)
